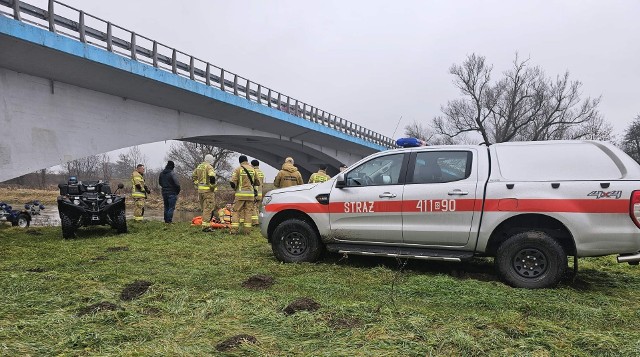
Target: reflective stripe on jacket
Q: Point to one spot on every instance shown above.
(261, 182)
(201, 176)
(319, 177)
(137, 179)
(244, 189)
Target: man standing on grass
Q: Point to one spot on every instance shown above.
(260, 178)
(204, 180)
(288, 176)
(170, 190)
(139, 192)
(244, 181)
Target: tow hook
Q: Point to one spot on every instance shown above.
(632, 259)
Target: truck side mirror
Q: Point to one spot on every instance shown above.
(340, 181)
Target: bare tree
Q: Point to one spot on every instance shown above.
(631, 141)
(85, 168)
(128, 161)
(524, 104)
(428, 135)
(187, 156)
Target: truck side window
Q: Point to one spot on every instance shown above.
(442, 166)
(384, 170)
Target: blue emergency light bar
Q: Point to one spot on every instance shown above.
(409, 142)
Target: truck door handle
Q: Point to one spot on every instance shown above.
(458, 193)
(387, 195)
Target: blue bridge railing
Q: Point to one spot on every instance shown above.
(92, 30)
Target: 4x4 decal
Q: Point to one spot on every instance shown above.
(602, 194)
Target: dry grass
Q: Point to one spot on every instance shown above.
(63, 297)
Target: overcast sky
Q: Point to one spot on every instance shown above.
(374, 61)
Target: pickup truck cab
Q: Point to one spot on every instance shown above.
(528, 204)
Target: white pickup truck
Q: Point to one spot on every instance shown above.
(528, 204)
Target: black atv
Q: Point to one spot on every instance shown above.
(89, 204)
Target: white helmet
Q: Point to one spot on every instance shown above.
(208, 158)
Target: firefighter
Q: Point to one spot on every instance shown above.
(244, 181)
(320, 176)
(139, 192)
(204, 180)
(224, 214)
(288, 176)
(256, 209)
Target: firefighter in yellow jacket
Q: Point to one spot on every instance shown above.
(139, 192)
(288, 176)
(256, 209)
(320, 176)
(244, 182)
(204, 179)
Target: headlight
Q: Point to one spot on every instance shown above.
(109, 201)
(266, 200)
(76, 202)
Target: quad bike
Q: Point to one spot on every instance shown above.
(89, 204)
(16, 218)
(34, 207)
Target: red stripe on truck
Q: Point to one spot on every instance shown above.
(461, 205)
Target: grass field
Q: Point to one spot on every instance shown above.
(73, 297)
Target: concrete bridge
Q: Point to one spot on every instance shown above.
(69, 90)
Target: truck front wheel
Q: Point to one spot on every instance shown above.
(294, 240)
(531, 260)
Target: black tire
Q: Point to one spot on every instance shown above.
(531, 260)
(294, 241)
(23, 221)
(120, 222)
(68, 227)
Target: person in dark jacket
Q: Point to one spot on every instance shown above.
(170, 190)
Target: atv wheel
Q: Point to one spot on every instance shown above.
(23, 221)
(68, 227)
(120, 222)
(531, 260)
(294, 240)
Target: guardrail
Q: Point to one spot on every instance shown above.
(57, 19)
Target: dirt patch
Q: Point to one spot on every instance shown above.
(36, 270)
(302, 304)
(99, 258)
(258, 282)
(344, 322)
(235, 341)
(117, 249)
(33, 232)
(101, 306)
(134, 290)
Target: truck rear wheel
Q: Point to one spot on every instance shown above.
(294, 240)
(531, 260)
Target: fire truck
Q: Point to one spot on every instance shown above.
(530, 205)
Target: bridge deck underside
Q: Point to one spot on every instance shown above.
(314, 143)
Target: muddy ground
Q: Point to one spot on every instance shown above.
(135, 290)
(235, 341)
(301, 304)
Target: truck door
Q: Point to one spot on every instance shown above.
(369, 206)
(440, 198)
